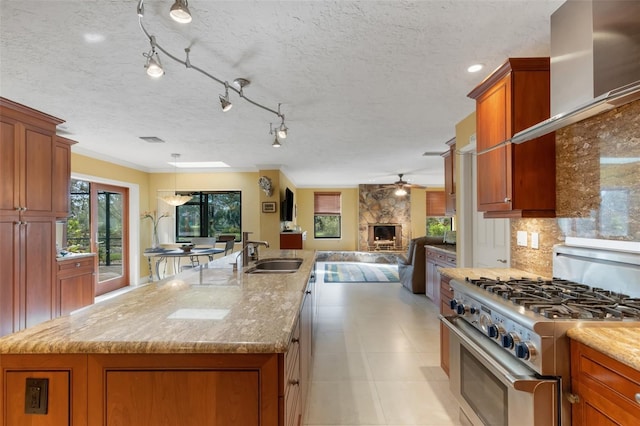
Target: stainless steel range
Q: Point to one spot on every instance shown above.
(509, 353)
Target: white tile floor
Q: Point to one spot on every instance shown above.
(377, 359)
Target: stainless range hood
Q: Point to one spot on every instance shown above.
(595, 62)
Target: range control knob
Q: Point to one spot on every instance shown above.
(461, 309)
(509, 340)
(494, 331)
(525, 350)
(473, 310)
(453, 303)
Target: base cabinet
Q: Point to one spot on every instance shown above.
(436, 258)
(607, 391)
(446, 294)
(291, 241)
(76, 283)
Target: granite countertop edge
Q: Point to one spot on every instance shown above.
(257, 314)
(617, 341)
(445, 248)
(460, 274)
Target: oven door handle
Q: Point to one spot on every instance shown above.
(528, 384)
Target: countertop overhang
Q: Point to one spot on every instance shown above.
(209, 309)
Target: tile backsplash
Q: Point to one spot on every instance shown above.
(597, 187)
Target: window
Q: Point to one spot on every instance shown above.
(326, 215)
(78, 223)
(209, 214)
(437, 222)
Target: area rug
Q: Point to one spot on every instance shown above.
(346, 272)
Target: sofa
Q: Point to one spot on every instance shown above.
(411, 267)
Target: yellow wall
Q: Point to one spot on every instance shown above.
(418, 212)
(464, 129)
(349, 200)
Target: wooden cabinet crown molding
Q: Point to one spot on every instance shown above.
(27, 115)
(510, 65)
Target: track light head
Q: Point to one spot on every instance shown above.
(153, 65)
(276, 143)
(224, 102)
(282, 131)
(180, 12)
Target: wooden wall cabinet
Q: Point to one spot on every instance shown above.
(608, 391)
(291, 241)
(436, 258)
(62, 176)
(446, 294)
(75, 283)
(30, 191)
(515, 180)
(450, 178)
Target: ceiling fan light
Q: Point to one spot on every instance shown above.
(401, 192)
(180, 12)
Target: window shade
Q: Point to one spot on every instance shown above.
(435, 203)
(326, 203)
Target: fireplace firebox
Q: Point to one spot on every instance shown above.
(385, 236)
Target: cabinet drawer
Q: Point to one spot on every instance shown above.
(75, 266)
(451, 260)
(445, 289)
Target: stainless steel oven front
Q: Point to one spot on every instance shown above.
(493, 388)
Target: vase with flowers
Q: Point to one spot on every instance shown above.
(155, 220)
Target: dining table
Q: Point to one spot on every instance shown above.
(163, 254)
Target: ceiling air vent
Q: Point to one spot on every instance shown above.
(151, 139)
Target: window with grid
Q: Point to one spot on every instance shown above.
(209, 214)
(327, 215)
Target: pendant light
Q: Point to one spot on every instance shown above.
(175, 199)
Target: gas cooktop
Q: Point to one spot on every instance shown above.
(562, 299)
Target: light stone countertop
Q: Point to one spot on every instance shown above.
(74, 256)
(209, 309)
(620, 343)
(459, 274)
(445, 248)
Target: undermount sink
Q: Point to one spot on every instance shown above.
(275, 266)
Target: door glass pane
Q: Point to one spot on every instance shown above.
(78, 223)
(110, 225)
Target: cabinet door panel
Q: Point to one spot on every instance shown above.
(76, 292)
(9, 255)
(38, 163)
(58, 399)
(62, 179)
(37, 268)
(188, 398)
(494, 180)
(8, 169)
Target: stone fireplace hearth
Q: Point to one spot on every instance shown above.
(385, 217)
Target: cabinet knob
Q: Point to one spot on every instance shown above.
(637, 396)
(78, 265)
(295, 340)
(502, 260)
(507, 200)
(308, 292)
(294, 382)
(574, 399)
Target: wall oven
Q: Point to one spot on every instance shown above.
(509, 352)
(493, 388)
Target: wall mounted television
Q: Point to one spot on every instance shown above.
(287, 206)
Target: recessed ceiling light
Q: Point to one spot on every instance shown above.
(475, 68)
(93, 38)
(200, 164)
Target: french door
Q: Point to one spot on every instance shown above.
(110, 231)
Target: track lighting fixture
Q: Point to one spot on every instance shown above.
(180, 12)
(175, 199)
(276, 143)
(224, 100)
(153, 65)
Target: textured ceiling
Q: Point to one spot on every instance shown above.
(366, 86)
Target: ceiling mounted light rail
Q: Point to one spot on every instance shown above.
(180, 12)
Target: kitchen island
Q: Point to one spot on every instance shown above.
(208, 346)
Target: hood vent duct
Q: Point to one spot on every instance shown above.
(595, 62)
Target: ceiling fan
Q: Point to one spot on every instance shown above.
(401, 186)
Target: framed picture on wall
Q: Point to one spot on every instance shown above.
(269, 207)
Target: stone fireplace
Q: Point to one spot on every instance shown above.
(384, 219)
